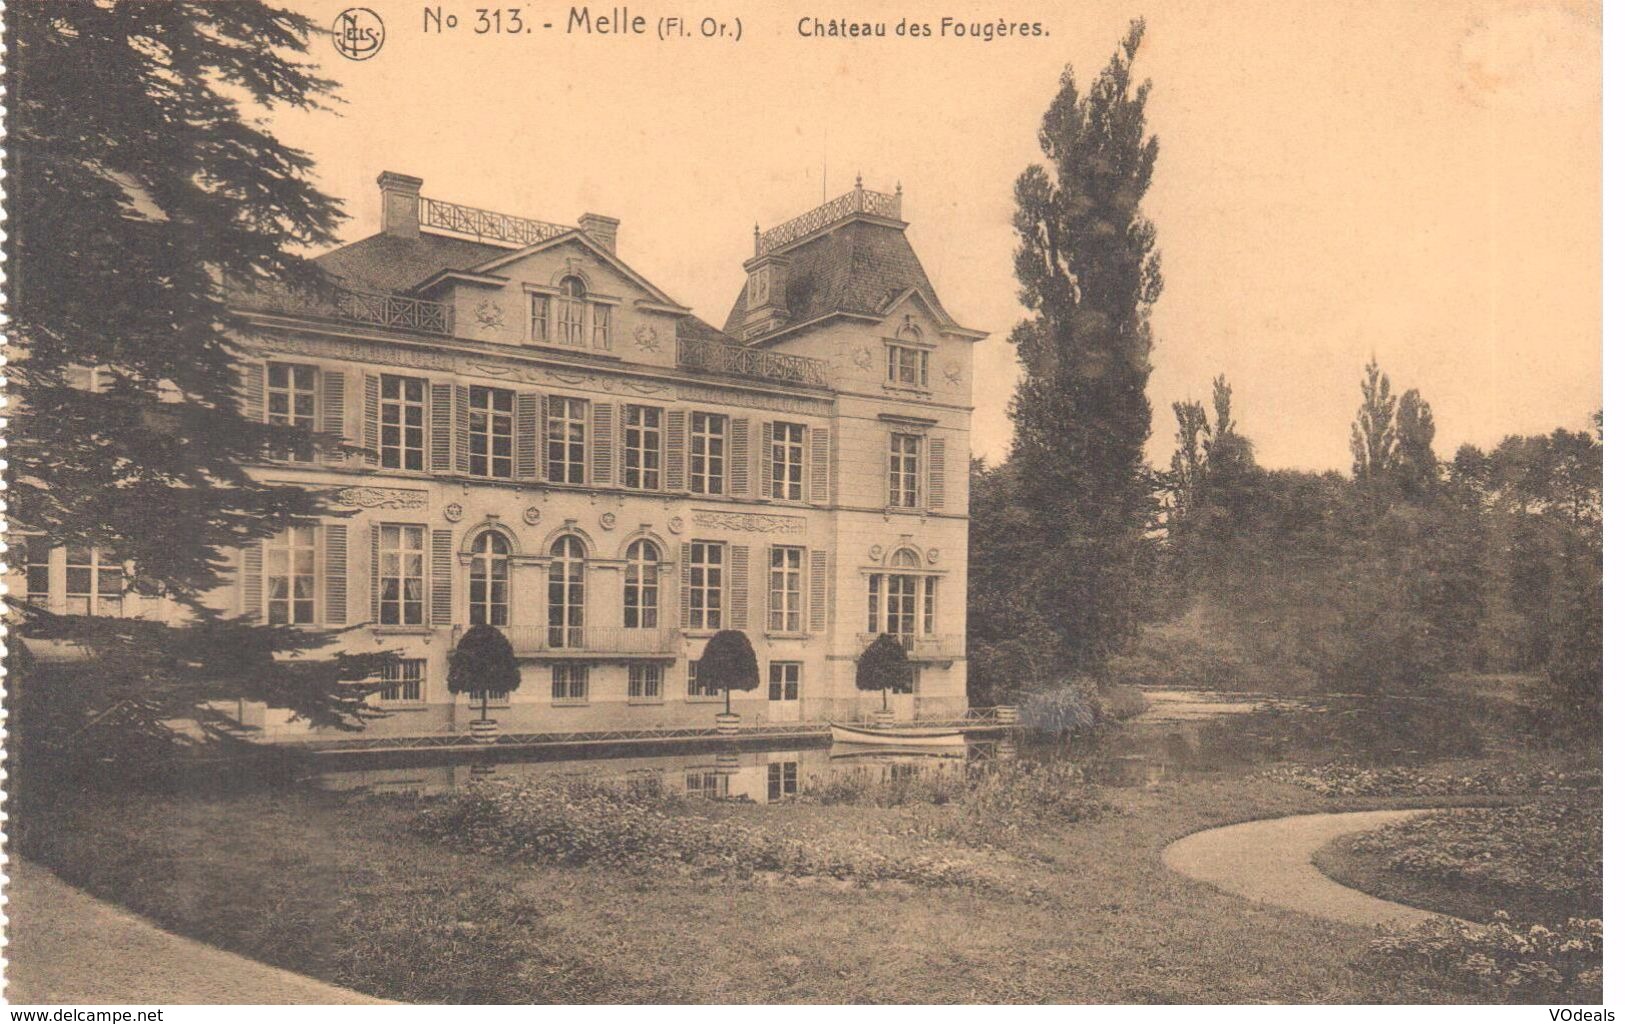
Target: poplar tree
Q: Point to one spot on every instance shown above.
(1089, 272)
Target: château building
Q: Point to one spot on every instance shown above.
(543, 440)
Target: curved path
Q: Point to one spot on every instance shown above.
(65, 946)
(1269, 861)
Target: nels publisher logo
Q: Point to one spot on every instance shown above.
(358, 33)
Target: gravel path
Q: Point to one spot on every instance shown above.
(67, 947)
(1269, 861)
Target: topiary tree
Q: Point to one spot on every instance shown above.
(728, 664)
(483, 662)
(884, 666)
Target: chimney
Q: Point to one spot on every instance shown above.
(600, 229)
(400, 195)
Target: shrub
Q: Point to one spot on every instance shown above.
(483, 663)
(1524, 964)
(1063, 711)
(608, 826)
(728, 663)
(884, 666)
(1345, 778)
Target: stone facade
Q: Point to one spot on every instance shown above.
(543, 405)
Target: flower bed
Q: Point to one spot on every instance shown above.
(1525, 964)
(1346, 778)
(609, 827)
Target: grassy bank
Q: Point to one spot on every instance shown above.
(349, 892)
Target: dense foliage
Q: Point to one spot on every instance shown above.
(728, 663)
(884, 666)
(483, 662)
(1089, 271)
(1510, 963)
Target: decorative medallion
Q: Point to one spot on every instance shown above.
(932, 556)
(607, 520)
(862, 357)
(875, 551)
(533, 515)
(646, 338)
(953, 372)
(489, 314)
(453, 512)
(675, 525)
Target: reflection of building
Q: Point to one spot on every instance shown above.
(545, 441)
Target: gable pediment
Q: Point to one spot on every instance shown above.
(545, 264)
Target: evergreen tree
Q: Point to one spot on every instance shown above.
(1089, 271)
(139, 188)
(1372, 439)
(1415, 466)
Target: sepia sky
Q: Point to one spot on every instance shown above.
(1417, 180)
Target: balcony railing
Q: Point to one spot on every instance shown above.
(380, 308)
(394, 311)
(936, 645)
(859, 200)
(485, 225)
(723, 357)
(531, 641)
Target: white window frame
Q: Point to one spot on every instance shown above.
(602, 325)
(566, 440)
(905, 361)
(284, 554)
(640, 596)
(645, 682)
(642, 446)
(572, 683)
(783, 780)
(288, 394)
(396, 558)
(541, 324)
(903, 480)
(402, 451)
(490, 579)
(490, 432)
(701, 613)
(789, 451)
(572, 312)
(102, 597)
(567, 593)
(784, 680)
(786, 589)
(404, 682)
(707, 452)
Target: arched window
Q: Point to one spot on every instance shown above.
(566, 593)
(572, 312)
(642, 594)
(903, 604)
(488, 580)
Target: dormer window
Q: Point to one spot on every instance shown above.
(572, 312)
(908, 361)
(759, 282)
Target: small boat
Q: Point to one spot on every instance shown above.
(894, 753)
(899, 736)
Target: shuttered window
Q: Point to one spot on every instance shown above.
(402, 416)
(400, 575)
(706, 440)
(490, 432)
(566, 440)
(785, 589)
(290, 577)
(903, 489)
(642, 447)
(705, 586)
(788, 454)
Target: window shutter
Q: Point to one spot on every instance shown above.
(767, 459)
(369, 429)
(739, 456)
(526, 435)
(603, 443)
(253, 391)
(440, 581)
(459, 419)
(333, 411)
(374, 572)
(739, 587)
(817, 583)
(623, 417)
(254, 581)
(818, 471)
(685, 554)
(676, 450)
(440, 428)
(338, 574)
(936, 474)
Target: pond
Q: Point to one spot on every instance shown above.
(1182, 733)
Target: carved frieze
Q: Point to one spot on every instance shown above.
(380, 497)
(750, 522)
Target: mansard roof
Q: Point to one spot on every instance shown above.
(860, 268)
(390, 263)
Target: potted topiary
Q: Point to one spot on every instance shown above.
(884, 666)
(728, 664)
(483, 663)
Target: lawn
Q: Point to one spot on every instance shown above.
(357, 892)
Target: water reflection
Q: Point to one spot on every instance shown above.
(761, 776)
